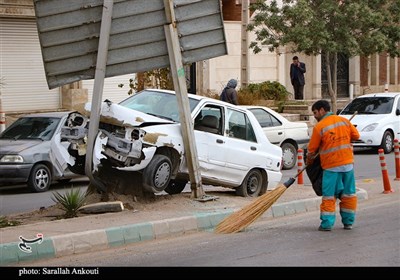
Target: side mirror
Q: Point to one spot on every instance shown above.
(397, 112)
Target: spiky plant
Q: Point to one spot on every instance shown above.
(70, 202)
(4, 222)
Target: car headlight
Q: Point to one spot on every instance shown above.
(12, 159)
(370, 127)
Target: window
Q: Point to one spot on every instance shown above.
(239, 126)
(209, 120)
(264, 118)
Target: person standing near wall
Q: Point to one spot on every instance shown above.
(229, 93)
(297, 70)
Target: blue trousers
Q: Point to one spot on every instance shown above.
(339, 185)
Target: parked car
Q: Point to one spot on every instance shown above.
(377, 119)
(143, 134)
(288, 135)
(28, 149)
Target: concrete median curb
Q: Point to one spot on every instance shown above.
(93, 240)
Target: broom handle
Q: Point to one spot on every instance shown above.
(305, 166)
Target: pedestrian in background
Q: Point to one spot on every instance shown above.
(332, 136)
(229, 93)
(297, 70)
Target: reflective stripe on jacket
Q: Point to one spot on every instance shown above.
(333, 135)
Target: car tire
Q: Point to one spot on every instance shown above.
(387, 142)
(157, 174)
(175, 187)
(251, 185)
(39, 178)
(289, 155)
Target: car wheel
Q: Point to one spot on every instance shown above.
(387, 142)
(251, 185)
(157, 174)
(175, 187)
(40, 178)
(289, 154)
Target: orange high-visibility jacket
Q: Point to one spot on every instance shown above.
(333, 135)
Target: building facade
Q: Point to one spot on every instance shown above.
(24, 88)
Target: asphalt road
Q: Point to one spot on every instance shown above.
(286, 241)
(17, 199)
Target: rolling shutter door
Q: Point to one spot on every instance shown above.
(24, 86)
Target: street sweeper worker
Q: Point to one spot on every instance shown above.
(331, 137)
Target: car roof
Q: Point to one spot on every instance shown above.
(59, 114)
(198, 97)
(384, 94)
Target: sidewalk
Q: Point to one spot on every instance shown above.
(102, 231)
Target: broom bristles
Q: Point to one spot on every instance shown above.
(248, 214)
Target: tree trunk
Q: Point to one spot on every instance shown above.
(332, 78)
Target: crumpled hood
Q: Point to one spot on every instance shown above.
(8, 146)
(362, 121)
(116, 114)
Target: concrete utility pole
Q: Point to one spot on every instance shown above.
(178, 76)
(244, 59)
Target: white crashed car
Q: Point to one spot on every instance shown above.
(143, 134)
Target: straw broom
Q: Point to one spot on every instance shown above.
(248, 214)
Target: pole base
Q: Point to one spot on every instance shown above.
(386, 192)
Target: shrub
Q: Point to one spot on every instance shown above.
(266, 90)
(70, 202)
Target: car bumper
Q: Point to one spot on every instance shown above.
(368, 139)
(274, 177)
(15, 173)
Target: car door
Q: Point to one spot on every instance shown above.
(241, 147)
(210, 142)
(271, 126)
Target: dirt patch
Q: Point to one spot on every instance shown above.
(155, 206)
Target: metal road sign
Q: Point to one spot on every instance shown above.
(69, 34)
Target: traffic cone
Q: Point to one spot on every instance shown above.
(386, 183)
(300, 163)
(397, 158)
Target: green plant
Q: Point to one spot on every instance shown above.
(70, 202)
(4, 222)
(268, 90)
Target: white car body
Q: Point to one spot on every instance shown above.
(130, 140)
(377, 119)
(288, 135)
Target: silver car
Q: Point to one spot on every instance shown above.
(28, 149)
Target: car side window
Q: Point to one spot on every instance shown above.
(209, 119)
(239, 126)
(264, 118)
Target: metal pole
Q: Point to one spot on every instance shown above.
(178, 75)
(98, 90)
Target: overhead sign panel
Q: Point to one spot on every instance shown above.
(69, 36)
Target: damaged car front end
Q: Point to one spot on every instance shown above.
(142, 135)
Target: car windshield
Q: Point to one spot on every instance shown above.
(370, 105)
(41, 128)
(157, 103)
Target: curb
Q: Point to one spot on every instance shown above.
(93, 240)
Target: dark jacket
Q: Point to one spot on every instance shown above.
(297, 73)
(229, 94)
